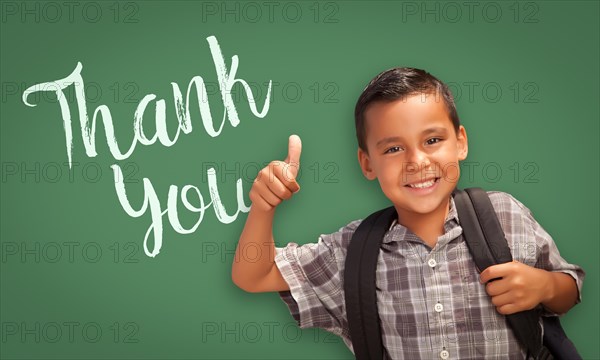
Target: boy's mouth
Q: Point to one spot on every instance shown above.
(425, 184)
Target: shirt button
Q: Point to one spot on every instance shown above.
(444, 354)
(438, 307)
(432, 262)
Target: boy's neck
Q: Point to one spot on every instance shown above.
(429, 226)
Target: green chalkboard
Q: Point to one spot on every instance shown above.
(87, 272)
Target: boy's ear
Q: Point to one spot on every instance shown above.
(365, 164)
(463, 144)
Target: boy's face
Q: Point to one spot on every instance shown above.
(413, 150)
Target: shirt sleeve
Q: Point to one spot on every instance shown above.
(548, 256)
(314, 274)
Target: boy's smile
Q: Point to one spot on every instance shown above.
(413, 150)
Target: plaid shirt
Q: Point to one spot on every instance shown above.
(431, 304)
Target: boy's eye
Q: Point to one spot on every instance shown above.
(433, 141)
(393, 149)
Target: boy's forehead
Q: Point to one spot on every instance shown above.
(413, 112)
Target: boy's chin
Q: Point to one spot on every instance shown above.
(425, 209)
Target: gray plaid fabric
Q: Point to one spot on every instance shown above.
(430, 301)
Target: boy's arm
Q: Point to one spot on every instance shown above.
(562, 292)
(254, 268)
(523, 287)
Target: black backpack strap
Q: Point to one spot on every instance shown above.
(482, 231)
(555, 339)
(360, 284)
(488, 246)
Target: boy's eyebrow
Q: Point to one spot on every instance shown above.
(387, 140)
(435, 129)
(390, 139)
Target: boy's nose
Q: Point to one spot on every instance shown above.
(416, 160)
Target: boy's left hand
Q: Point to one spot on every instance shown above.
(520, 287)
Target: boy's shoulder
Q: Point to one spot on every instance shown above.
(501, 198)
(340, 239)
(507, 206)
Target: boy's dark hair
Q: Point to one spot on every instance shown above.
(398, 83)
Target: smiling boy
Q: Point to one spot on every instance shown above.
(432, 302)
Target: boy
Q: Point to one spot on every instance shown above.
(432, 301)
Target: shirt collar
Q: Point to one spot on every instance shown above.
(448, 224)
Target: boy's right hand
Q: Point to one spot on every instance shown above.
(277, 181)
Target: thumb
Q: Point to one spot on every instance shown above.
(294, 150)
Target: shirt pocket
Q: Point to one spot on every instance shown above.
(401, 307)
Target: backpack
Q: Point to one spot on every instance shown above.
(488, 246)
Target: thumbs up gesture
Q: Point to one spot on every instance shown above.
(277, 181)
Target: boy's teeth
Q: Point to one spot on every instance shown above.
(422, 185)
